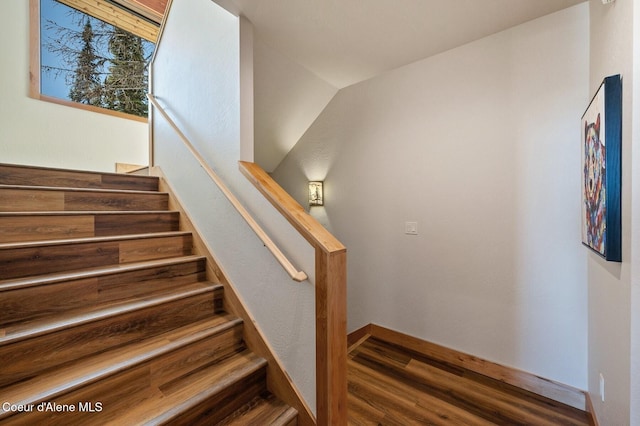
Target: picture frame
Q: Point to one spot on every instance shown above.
(602, 171)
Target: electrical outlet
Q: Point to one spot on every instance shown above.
(411, 228)
(602, 387)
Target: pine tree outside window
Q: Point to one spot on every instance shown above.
(90, 63)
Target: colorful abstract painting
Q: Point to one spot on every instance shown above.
(601, 158)
(594, 225)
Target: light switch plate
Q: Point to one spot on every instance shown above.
(411, 228)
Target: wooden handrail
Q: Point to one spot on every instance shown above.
(316, 234)
(280, 257)
(331, 298)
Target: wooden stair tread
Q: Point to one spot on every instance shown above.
(36, 280)
(193, 390)
(262, 410)
(63, 380)
(28, 330)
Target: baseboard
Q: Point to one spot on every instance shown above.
(358, 336)
(591, 410)
(559, 392)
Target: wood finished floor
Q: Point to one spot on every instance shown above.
(389, 385)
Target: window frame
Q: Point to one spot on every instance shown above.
(35, 87)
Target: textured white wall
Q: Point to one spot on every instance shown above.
(609, 283)
(46, 134)
(480, 146)
(196, 77)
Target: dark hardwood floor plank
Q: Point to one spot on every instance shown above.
(361, 413)
(485, 401)
(406, 400)
(407, 387)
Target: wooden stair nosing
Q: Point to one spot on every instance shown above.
(105, 364)
(46, 327)
(37, 280)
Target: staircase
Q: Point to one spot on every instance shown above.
(106, 316)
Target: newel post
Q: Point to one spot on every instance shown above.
(331, 337)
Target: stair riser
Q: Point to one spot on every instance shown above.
(29, 200)
(125, 389)
(26, 358)
(39, 302)
(29, 176)
(42, 227)
(29, 261)
(31, 303)
(263, 410)
(218, 407)
(180, 363)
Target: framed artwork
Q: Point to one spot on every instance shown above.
(602, 172)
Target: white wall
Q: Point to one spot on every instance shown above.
(480, 146)
(46, 134)
(288, 98)
(609, 283)
(196, 77)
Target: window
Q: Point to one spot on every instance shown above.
(91, 54)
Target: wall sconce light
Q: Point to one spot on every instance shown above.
(316, 194)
